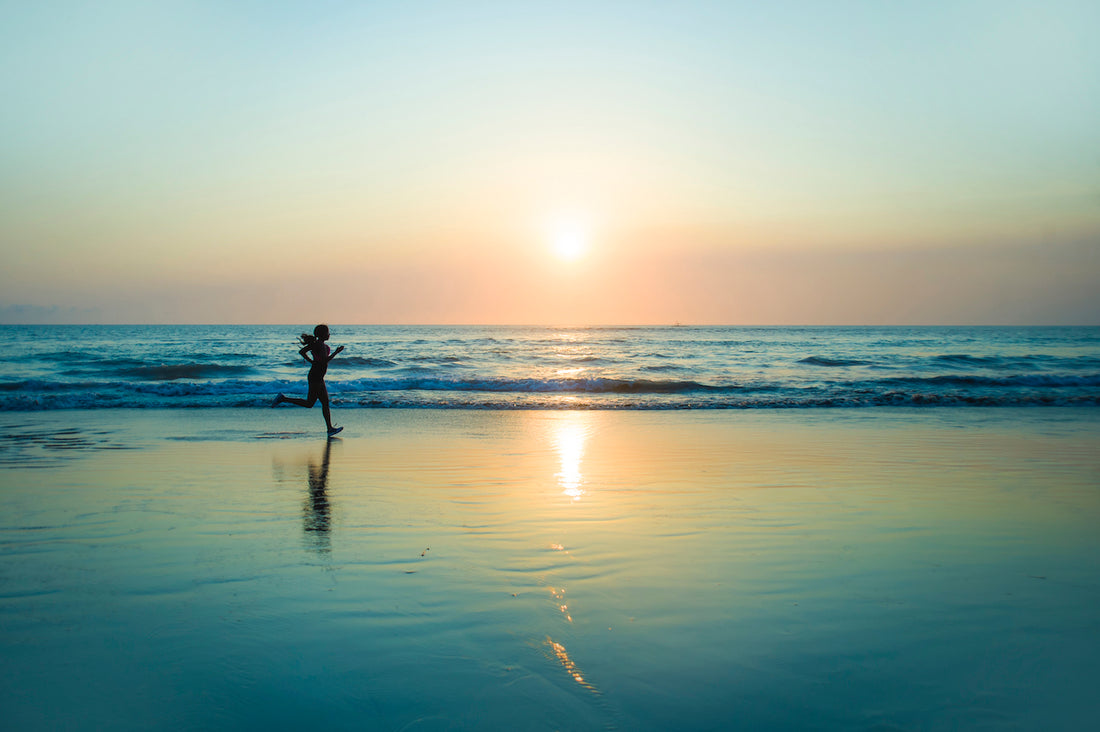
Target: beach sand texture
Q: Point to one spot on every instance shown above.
(435, 569)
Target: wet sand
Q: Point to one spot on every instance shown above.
(817, 569)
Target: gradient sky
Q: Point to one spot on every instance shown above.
(416, 162)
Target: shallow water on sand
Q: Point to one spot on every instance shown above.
(550, 570)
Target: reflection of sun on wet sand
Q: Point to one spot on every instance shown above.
(570, 434)
(559, 597)
(567, 663)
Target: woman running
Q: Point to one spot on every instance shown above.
(316, 352)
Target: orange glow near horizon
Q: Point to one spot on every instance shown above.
(422, 166)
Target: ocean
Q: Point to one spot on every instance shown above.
(513, 367)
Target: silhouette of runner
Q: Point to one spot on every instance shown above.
(315, 351)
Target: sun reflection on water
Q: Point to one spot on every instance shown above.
(569, 438)
(559, 597)
(570, 667)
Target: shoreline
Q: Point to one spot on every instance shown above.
(262, 416)
(72, 434)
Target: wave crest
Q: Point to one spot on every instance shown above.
(823, 361)
(175, 372)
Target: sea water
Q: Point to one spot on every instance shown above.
(510, 367)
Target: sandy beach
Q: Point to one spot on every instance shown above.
(435, 569)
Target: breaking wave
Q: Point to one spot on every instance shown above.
(822, 361)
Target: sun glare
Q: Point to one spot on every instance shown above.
(569, 245)
(569, 240)
(570, 437)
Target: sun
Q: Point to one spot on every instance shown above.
(570, 245)
(569, 240)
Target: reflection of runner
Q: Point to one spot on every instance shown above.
(316, 352)
(316, 516)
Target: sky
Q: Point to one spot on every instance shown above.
(552, 163)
